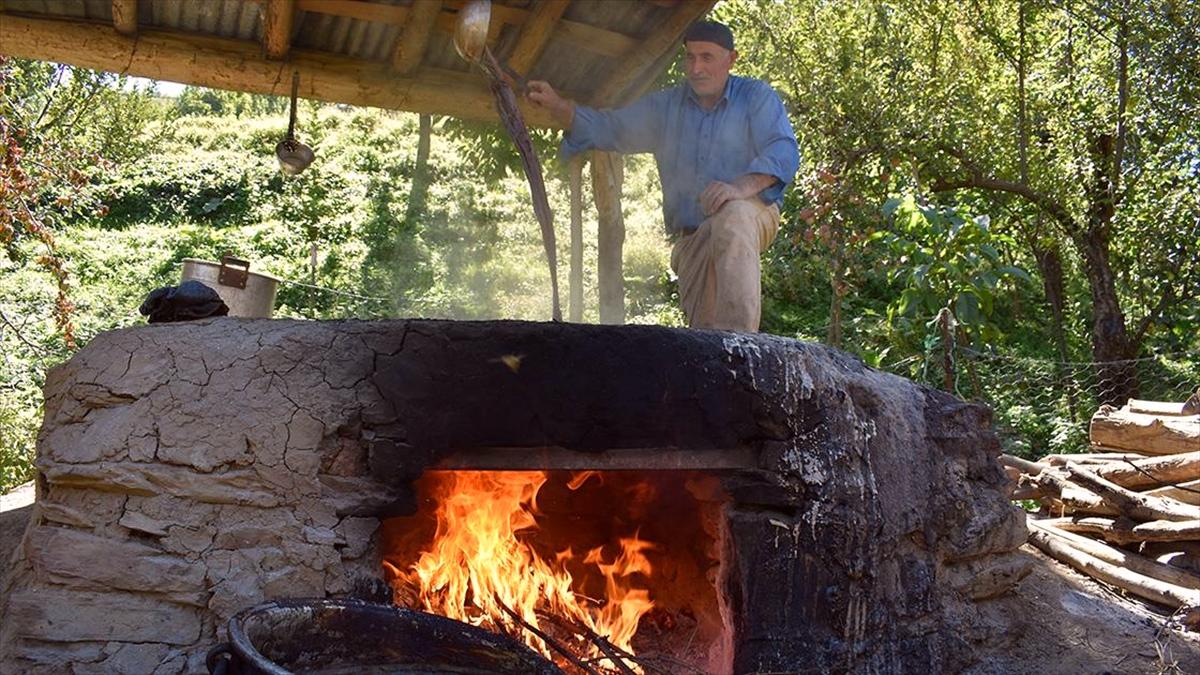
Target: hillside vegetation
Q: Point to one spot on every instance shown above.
(1010, 187)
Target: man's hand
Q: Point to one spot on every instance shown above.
(717, 193)
(543, 95)
(715, 196)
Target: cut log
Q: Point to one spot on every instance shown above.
(1071, 498)
(1131, 561)
(1023, 465)
(1149, 434)
(1123, 531)
(1165, 408)
(1188, 493)
(1092, 458)
(1138, 584)
(1153, 472)
(1132, 504)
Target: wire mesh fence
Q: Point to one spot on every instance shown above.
(1044, 406)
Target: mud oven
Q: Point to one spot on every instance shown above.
(732, 503)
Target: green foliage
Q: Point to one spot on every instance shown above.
(945, 259)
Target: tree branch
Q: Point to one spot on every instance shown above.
(981, 182)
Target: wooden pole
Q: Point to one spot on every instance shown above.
(607, 177)
(575, 171)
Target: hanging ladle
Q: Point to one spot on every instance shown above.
(293, 155)
(470, 41)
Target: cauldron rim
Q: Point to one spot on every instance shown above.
(245, 649)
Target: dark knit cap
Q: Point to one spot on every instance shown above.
(710, 31)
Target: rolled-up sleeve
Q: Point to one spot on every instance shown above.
(629, 130)
(776, 151)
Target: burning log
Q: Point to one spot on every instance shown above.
(1149, 434)
(1131, 503)
(1138, 584)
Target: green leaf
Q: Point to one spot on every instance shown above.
(1012, 271)
(966, 308)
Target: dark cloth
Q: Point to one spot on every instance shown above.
(185, 302)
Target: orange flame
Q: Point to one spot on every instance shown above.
(478, 564)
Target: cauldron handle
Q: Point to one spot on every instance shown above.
(221, 660)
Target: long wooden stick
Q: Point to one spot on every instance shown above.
(1138, 506)
(1137, 584)
(1131, 561)
(613, 652)
(575, 660)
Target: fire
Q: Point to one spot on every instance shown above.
(480, 566)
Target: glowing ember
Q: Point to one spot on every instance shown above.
(478, 563)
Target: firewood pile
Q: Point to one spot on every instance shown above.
(1126, 513)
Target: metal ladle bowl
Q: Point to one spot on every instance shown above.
(293, 155)
(471, 30)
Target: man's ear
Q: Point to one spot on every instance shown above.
(733, 56)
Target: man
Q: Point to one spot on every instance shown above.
(725, 153)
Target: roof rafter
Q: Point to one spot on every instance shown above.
(661, 40)
(125, 16)
(239, 65)
(413, 40)
(535, 34)
(277, 19)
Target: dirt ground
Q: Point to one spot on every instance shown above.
(1057, 621)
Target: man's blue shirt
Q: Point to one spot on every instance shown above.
(748, 131)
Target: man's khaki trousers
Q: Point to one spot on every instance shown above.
(718, 267)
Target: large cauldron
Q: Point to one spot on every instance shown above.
(351, 636)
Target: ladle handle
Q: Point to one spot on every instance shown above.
(292, 118)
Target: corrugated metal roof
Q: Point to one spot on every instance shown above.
(577, 58)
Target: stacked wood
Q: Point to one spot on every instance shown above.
(1127, 512)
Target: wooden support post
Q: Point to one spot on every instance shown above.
(575, 171)
(535, 33)
(125, 16)
(277, 27)
(411, 44)
(607, 176)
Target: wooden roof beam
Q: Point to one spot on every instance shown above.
(652, 47)
(413, 40)
(535, 34)
(585, 36)
(239, 65)
(277, 19)
(125, 16)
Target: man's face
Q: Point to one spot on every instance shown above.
(707, 67)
